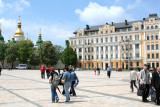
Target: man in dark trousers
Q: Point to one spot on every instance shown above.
(156, 84)
(109, 70)
(59, 72)
(0, 69)
(145, 82)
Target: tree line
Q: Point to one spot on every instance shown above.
(25, 52)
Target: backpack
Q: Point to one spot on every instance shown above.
(55, 80)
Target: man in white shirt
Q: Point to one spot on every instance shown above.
(133, 77)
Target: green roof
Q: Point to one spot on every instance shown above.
(39, 41)
(13, 41)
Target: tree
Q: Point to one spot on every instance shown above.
(11, 53)
(47, 53)
(25, 50)
(69, 56)
(2, 52)
(35, 58)
(59, 50)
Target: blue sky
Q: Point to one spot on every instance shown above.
(59, 18)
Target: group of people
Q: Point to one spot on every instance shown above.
(148, 82)
(68, 79)
(109, 70)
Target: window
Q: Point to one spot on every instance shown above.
(157, 55)
(156, 27)
(111, 31)
(148, 47)
(137, 28)
(152, 46)
(116, 38)
(117, 47)
(92, 65)
(85, 41)
(122, 55)
(80, 57)
(101, 56)
(129, 29)
(97, 48)
(148, 56)
(152, 27)
(147, 37)
(106, 39)
(101, 40)
(116, 55)
(92, 33)
(111, 48)
(124, 29)
(106, 31)
(157, 46)
(85, 49)
(137, 46)
(89, 49)
(106, 48)
(85, 65)
(111, 39)
(75, 50)
(147, 27)
(80, 34)
(157, 64)
(92, 49)
(88, 57)
(121, 38)
(102, 32)
(130, 37)
(80, 49)
(88, 41)
(152, 37)
(96, 32)
(126, 47)
(97, 40)
(137, 55)
(116, 64)
(136, 37)
(88, 65)
(152, 55)
(127, 55)
(75, 42)
(92, 57)
(71, 42)
(137, 63)
(131, 55)
(85, 57)
(101, 48)
(131, 64)
(130, 46)
(111, 56)
(106, 56)
(97, 56)
(122, 47)
(156, 37)
(126, 37)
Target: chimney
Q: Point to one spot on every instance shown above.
(112, 23)
(87, 27)
(126, 23)
(144, 18)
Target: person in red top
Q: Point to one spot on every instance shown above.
(43, 68)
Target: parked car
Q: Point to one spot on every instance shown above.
(21, 66)
(118, 69)
(78, 69)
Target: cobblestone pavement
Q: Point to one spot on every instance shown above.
(25, 88)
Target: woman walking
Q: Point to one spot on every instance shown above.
(95, 70)
(67, 84)
(52, 77)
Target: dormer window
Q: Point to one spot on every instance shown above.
(152, 27)
(102, 32)
(106, 31)
(137, 28)
(156, 27)
(80, 34)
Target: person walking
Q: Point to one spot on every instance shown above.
(95, 70)
(64, 70)
(0, 69)
(43, 72)
(54, 95)
(74, 80)
(67, 84)
(144, 82)
(138, 79)
(47, 72)
(98, 69)
(133, 77)
(59, 71)
(156, 84)
(109, 70)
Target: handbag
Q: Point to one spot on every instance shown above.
(63, 80)
(139, 92)
(153, 95)
(142, 87)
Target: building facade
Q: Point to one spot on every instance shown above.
(119, 45)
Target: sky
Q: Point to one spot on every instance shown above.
(58, 19)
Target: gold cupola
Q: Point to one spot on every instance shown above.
(27, 37)
(19, 32)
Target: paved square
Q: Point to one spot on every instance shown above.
(25, 88)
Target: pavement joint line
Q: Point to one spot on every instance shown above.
(21, 97)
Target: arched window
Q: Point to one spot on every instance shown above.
(147, 37)
(152, 27)
(156, 27)
(156, 37)
(147, 27)
(152, 37)
(106, 31)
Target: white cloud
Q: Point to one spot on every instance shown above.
(131, 6)
(97, 14)
(18, 5)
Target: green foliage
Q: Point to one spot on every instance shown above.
(58, 50)
(48, 54)
(3, 48)
(69, 56)
(35, 58)
(25, 50)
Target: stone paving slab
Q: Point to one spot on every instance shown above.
(25, 88)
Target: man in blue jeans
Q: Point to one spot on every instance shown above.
(53, 88)
(74, 79)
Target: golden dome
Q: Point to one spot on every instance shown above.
(19, 32)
